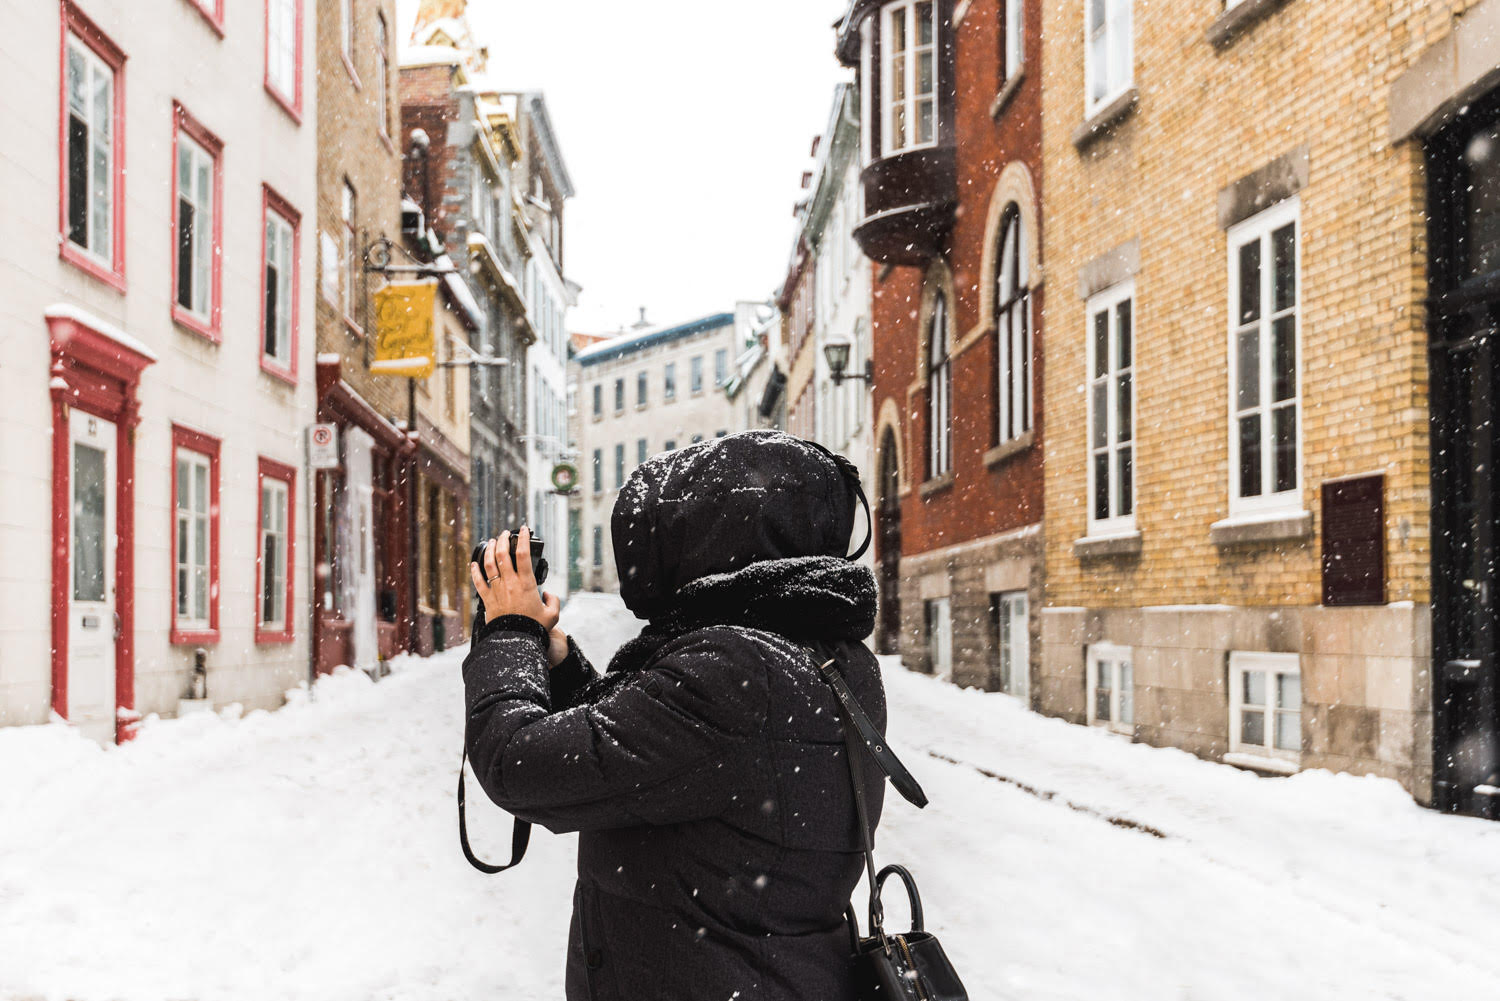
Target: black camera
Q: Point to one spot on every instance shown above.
(538, 563)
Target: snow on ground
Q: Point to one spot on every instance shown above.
(311, 853)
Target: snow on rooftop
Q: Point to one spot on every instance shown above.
(64, 311)
(644, 333)
(431, 55)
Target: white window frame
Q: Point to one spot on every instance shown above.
(281, 253)
(867, 90)
(911, 57)
(940, 391)
(383, 73)
(272, 579)
(200, 161)
(1261, 227)
(1115, 39)
(1118, 522)
(1273, 666)
(1113, 655)
(1013, 322)
(348, 209)
(191, 561)
(346, 31)
(937, 614)
(101, 189)
(1013, 52)
(281, 48)
(1013, 643)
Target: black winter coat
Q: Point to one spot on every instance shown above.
(706, 771)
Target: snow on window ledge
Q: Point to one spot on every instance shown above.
(1259, 763)
(1281, 525)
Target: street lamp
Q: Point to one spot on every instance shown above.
(837, 353)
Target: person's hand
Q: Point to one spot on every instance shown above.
(512, 590)
(557, 647)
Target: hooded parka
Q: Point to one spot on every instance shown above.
(705, 771)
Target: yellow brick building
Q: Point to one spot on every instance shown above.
(1238, 489)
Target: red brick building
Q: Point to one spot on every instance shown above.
(950, 109)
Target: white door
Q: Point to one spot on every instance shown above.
(360, 494)
(91, 576)
(940, 636)
(1015, 645)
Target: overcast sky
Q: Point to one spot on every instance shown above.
(686, 126)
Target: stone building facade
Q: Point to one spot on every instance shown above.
(1250, 533)
(159, 359)
(950, 96)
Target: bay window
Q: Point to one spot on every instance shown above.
(196, 206)
(1109, 54)
(92, 149)
(909, 75)
(1111, 411)
(1264, 434)
(939, 390)
(1013, 328)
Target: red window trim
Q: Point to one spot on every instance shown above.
(213, 330)
(208, 446)
(348, 56)
(273, 202)
(214, 17)
(290, 103)
(270, 469)
(76, 23)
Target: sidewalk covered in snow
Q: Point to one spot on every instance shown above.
(312, 854)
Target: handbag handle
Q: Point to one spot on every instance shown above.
(912, 897)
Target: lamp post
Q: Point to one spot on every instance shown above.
(837, 354)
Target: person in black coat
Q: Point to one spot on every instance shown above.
(705, 770)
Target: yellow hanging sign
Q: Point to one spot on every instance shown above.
(404, 319)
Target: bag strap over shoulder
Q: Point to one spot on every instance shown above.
(873, 739)
(520, 836)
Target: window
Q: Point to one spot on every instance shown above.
(1111, 407)
(598, 471)
(1264, 454)
(1011, 637)
(196, 200)
(383, 79)
(1111, 688)
(1013, 328)
(939, 391)
(195, 537)
(279, 254)
(697, 375)
(284, 53)
(1109, 55)
(640, 451)
(640, 389)
(721, 366)
(92, 203)
(670, 445)
(598, 400)
(669, 384)
(273, 617)
(619, 396)
(1265, 705)
(697, 438)
(619, 465)
(909, 71)
(1013, 40)
(938, 614)
(598, 545)
(348, 211)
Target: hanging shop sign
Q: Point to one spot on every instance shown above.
(405, 316)
(564, 477)
(323, 446)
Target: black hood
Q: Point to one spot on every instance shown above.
(723, 504)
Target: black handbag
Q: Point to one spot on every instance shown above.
(888, 967)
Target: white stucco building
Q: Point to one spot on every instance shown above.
(158, 358)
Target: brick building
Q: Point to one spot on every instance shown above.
(365, 531)
(158, 370)
(951, 178)
(1257, 550)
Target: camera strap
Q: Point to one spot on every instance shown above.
(520, 837)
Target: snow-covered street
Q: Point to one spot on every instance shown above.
(312, 854)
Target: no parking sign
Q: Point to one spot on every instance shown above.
(323, 446)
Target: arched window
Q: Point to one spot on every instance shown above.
(939, 391)
(1013, 328)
